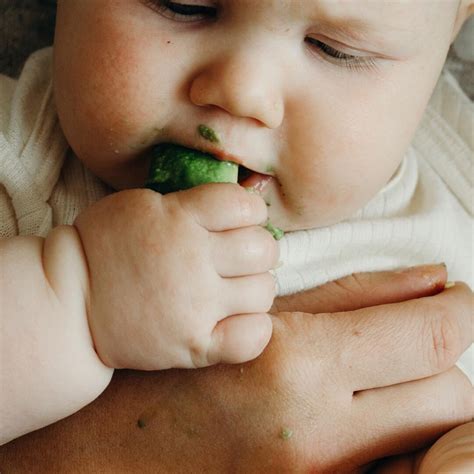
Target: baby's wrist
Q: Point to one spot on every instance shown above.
(66, 268)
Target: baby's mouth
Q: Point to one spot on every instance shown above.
(253, 180)
(244, 173)
(247, 177)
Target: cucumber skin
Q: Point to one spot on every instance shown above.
(175, 168)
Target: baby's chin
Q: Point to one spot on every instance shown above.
(290, 214)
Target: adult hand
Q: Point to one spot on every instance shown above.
(331, 393)
(385, 373)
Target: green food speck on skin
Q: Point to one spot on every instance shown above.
(208, 134)
(286, 434)
(275, 231)
(141, 423)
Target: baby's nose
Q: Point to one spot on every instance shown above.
(244, 84)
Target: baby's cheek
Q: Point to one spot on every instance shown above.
(110, 84)
(330, 173)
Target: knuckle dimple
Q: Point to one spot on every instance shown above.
(198, 352)
(443, 340)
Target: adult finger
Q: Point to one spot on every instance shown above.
(401, 464)
(361, 290)
(244, 251)
(408, 416)
(454, 452)
(222, 206)
(400, 342)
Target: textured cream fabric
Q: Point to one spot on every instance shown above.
(423, 215)
(42, 184)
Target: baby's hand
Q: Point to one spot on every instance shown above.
(180, 280)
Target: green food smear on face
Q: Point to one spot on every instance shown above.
(208, 134)
(275, 231)
(175, 168)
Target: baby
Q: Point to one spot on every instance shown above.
(317, 101)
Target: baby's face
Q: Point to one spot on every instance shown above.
(323, 96)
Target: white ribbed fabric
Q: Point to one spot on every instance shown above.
(423, 215)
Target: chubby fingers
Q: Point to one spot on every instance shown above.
(239, 338)
(244, 251)
(400, 342)
(222, 206)
(243, 336)
(245, 327)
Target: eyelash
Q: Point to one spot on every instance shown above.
(347, 60)
(181, 11)
(197, 13)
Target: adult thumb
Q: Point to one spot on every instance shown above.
(362, 290)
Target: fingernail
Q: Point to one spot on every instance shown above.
(430, 274)
(449, 284)
(419, 268)
(442, 264)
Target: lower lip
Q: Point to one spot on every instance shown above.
(257, 182)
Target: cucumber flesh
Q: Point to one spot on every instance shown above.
(175, 168)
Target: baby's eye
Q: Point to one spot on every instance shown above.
(348, 60)
(185, 12)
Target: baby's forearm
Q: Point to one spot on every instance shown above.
(48, 367)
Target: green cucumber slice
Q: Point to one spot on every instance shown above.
(175, 168)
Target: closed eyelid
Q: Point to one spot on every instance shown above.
(343, 47)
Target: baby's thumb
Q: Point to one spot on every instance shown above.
(240, 338)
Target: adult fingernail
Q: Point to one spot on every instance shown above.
(421, 268)
(429, 274)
